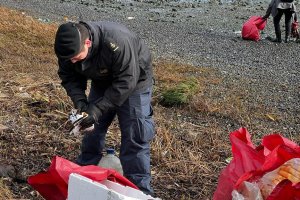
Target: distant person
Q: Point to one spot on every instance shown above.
(277, 8)
(118, 63)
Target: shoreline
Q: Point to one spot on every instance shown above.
(202, 35)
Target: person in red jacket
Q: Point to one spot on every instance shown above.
(277, 8)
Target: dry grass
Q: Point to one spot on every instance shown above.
(192, 141)
(5, 193)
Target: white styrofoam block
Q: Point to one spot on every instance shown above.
(82, 188)
(126, 191)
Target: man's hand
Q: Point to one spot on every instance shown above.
(93, 115)
(81, 105)
(265, 17)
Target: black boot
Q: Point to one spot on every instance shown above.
(277, 33)
(278, 36)
(287, 39)
(273, 39)
(276, 40)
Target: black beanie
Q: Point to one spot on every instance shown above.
(67, 41)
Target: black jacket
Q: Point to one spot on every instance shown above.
(118, 61)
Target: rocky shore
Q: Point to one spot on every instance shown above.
(201, 34)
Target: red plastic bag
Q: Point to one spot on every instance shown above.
(245, 158)
(53, 184)
(295, 30)
(250, 163)
(251, 28)
(285, 190)
(295, 25)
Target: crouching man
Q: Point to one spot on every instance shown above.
(118, 63)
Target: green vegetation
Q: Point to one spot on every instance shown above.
(181, 93)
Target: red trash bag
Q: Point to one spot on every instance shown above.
(251, 28)
(250, 163)
(295, 30)
(245, 158)
(53, 184)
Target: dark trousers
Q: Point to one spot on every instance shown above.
(288, 22)
(137, 130)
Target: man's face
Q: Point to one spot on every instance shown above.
(82, 55)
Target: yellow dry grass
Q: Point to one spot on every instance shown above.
(5, 193)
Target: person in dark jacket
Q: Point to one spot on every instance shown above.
(118, 63)
(277, 8)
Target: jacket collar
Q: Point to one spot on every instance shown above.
(97, 41)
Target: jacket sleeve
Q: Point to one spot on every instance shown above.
(126, 73)
(268, 12)
(74, 83)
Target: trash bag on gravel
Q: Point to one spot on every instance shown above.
(251, 28)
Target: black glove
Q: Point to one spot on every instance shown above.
(93, 115)
(81, 105)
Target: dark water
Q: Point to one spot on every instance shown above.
(162, 2)
(247, 2)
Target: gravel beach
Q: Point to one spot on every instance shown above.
(201, 34)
